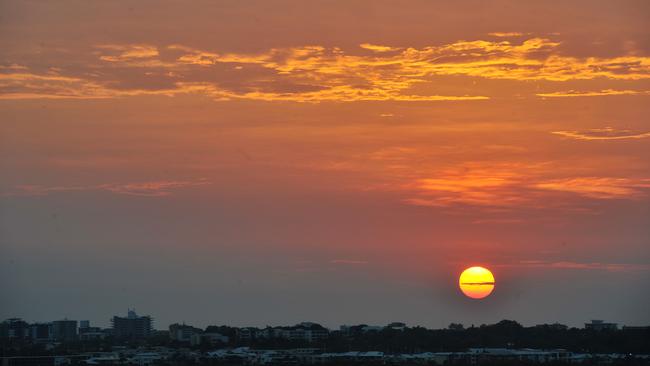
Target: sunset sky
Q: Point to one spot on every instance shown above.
(271, 162)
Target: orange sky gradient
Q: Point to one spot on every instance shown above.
(263, 158)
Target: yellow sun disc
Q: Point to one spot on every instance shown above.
(476, 282)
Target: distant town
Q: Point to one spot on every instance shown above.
(133, 340)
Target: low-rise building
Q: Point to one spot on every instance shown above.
(307, 332)
(132, 326)
(14, 328)
(64, 330)
(209, 338)
(145, 358)
(371, 357)
(601, 325)
(41, 332)
(183, 333)
(372, 328)
(246, 334)
(636, 327)
(482, 355)
(396, 326)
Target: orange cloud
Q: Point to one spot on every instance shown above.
(468, 185)
(13, 67)
(506, 34)
(60, 87)
(149, 189)
(336, 93)
(598, 187)
(206, 58)
(506, 186)
(316, 73)
(607, 133)
(24, 85)
(377, 48)
(600, 93)
(122, 53)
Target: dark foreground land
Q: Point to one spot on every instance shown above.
(504, 343)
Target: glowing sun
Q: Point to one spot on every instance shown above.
(476, 282)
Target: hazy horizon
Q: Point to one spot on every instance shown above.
(332, 327)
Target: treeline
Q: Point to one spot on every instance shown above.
(505, 334)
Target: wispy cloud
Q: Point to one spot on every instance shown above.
(13, 67)
(393, 153)
(377, 48)
(469, 185)
(598, 187)
(124, 53)
(598, 266)
(513, 185)
(46, 87)
(597, 93)
(26, 85)
(149, 189)
(348, 261)
(607, 133)
(506, 34)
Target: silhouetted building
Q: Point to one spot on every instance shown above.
(372, 328)
(14, 328)
(86, 332)
(64, 330)
(183, 333)
(209, 339)
(601, 325)
(637, 327)
(40, 332)
(132, 327)
(306, 331)
(246, 334)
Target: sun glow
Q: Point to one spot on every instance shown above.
(476, 282)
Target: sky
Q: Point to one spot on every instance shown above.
(258, 163)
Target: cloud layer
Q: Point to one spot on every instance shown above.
(317, 73)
